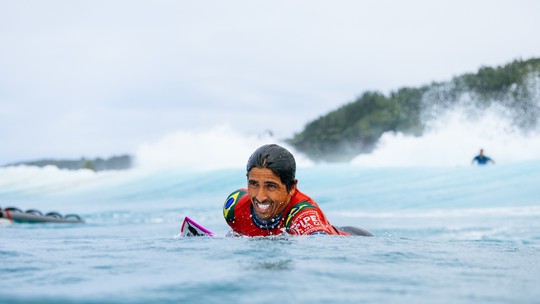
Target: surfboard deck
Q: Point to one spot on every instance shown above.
(191, 228)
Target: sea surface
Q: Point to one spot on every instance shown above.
(443, 235)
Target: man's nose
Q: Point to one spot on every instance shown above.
(261, 194)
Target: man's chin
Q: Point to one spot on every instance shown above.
(263, 216)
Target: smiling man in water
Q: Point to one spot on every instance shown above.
(272, 203)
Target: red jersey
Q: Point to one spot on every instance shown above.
(301, 217)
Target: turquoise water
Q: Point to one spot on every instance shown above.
(443, 235)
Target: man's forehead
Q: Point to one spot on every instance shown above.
(263, 174)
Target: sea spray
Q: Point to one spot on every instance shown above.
(215, 148)
(454, 139)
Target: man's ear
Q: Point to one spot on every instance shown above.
(293, 187)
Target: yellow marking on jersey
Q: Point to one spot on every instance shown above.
(229, 204)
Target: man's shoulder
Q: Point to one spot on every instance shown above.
(300, 197)
(298, 208)
(234, 199)
(237, 193)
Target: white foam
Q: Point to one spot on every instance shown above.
(453, 140)
(46, 179)
(215, 148)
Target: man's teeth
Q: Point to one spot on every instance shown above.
(263, 206)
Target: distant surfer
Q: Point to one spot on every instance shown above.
(272, 203)
(482, 159)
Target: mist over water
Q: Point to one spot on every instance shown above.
(458, 123)
(451, 140)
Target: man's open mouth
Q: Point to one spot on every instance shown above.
(263, 206)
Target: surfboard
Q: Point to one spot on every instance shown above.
(16, 215)
(191, 228)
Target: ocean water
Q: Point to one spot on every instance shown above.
(445, 231)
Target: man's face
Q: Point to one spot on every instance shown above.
(268, 194)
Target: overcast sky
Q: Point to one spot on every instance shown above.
(98, 78)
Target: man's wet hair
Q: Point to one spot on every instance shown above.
(277, 159)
